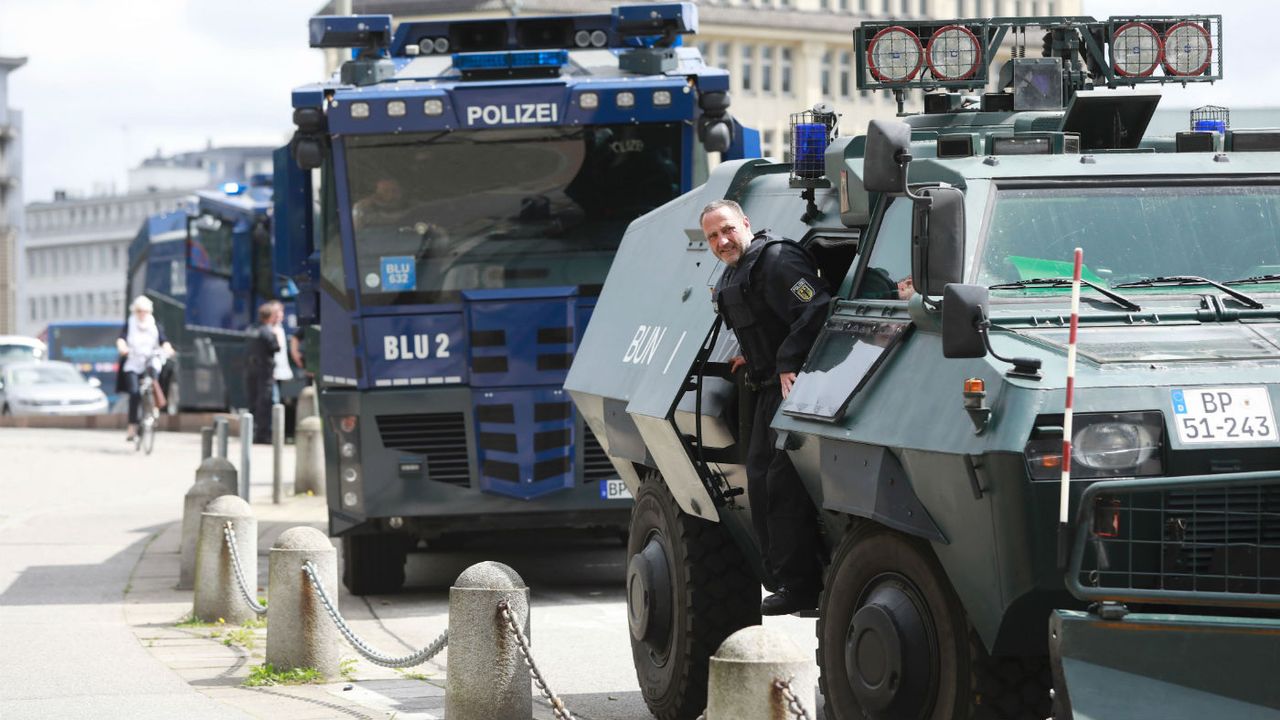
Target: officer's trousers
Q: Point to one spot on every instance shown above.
(782, 512)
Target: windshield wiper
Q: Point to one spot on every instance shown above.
(1192, 280)
(1117, 298)
(1255, 280)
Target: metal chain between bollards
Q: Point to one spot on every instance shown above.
(229, 534)
(373, 656)
(794, 706)
(557, 705)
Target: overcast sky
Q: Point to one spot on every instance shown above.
(107, 84)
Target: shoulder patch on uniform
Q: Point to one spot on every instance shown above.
(803, 290)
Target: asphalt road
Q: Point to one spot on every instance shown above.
(80, 507)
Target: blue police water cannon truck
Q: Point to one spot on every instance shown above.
(473, 180)
(207, 265)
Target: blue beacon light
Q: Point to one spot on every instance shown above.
(811, 145)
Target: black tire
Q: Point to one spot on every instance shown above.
(941, 672)
(714, 593)
(373, 564)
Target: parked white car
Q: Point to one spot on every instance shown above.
(18, 348)
(48, 388)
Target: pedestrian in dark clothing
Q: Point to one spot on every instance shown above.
(770, 295)
(259, 366)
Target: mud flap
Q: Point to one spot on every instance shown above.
(1171, 667)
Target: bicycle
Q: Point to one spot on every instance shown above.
(148, 413)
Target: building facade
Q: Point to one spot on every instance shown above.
(783, 56)
(76, 250)
(10, 199)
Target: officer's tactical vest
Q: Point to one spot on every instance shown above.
(759, 331)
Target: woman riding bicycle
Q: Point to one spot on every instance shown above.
(140, 340)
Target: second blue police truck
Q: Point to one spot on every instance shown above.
(472, 180)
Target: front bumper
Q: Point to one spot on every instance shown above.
(1172, 667)
(95, 408)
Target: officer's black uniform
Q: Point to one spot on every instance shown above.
(776, 305)
(259, 363)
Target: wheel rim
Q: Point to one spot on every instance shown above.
(891, 649)
(649, 597)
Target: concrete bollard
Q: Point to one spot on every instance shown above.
(219, 470)
(217, 590)
(202, 492)
(306, 406)
(301, 634)
(740, 682)
(486, 677)
(308, 450)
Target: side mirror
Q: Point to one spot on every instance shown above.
(888, 152)
(937, 240)
(964, 309)
(95, 382)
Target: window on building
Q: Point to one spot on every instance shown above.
(924, 7)
(54, 302)
(824, 74)
(846, 72)
(960, 8)
(824, 4)
(115, 256)
(722, 55)
(886, 6)
(1035, 8)
(768, 138)
(784, 70)
(744, 74)
(979, 8)
(31, 310)
(1050, 9)
(766, 69)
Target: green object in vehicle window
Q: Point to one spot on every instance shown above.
(1030, 268)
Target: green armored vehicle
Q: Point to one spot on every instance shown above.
(929, 430)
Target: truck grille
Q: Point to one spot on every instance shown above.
(595, 463)
(441, 437)
(1222, 538)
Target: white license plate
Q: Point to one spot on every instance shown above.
(614, 490)
(1223, 415)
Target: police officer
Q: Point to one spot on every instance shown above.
(771, 296)
(259, 366)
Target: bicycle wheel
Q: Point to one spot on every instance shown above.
(147, 434)
(146, 416)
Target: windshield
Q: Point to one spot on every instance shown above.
(11, 353)
(1134, 233)
(435, 214)
(44, 375)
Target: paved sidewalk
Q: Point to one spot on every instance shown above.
(216, 660)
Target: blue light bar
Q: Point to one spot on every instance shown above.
(472, 62)
(481, 61)
(350, 31)
(539, 58)
(233, 188)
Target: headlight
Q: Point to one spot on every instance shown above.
(1102, 445)
(1113, 446)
